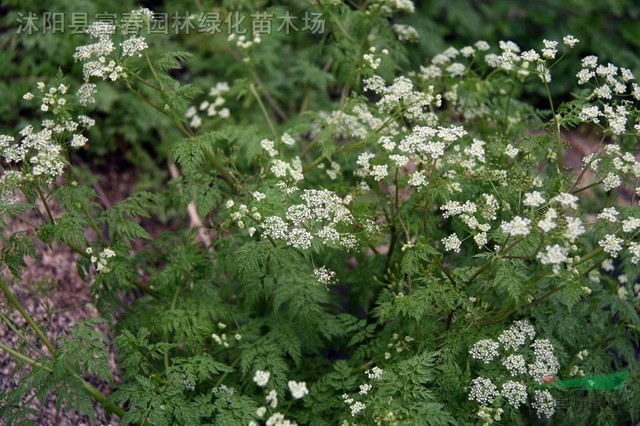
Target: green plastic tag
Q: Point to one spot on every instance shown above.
(601, 381)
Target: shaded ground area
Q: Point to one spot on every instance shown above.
(57, 297)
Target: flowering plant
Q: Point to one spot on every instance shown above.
(350, 264)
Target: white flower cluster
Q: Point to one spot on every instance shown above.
(391, 7)
(101, 262)
(483, 391)
(608, 82)
(42, 150)
(405, 32)
(416, 152)
(221, 339)
(356, 124)
(261, 378)
(356, 407)
(324, 276)
(298, 390)
(543, 403)
(398, 344)
(243, 42)
(319, 217)
(375, 373)
(517, 227)
(513, 351)
(373, 61)
(485, 350)
(452, 243)
(10, 181)
(472, 214)
(400, 95)
(211, 108)
(510, 59)
(99, 59)
(281, 168)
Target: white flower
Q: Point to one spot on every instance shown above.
(609, 214)
(584, 75)
(298, 389)
(575, 228)
(456, 69)
(300, 238)
(548, 223)
(484, 350)
(287, 139)
(356, 408)
(518, 226)
(260, 412)
(549, 50)
(323, 275)
(452, 243)
(379, 172)
(417, 179)
(515, 363)
(567, 200)
(375, 373)
(611, 181)
(515, 393)
(272, 398)
(543, 403)
(364, 389)
(553, 255)
(482, 45)
(515, 336)
(533, 199)
(570, 40)
(261, 378)
(78, 141)
(195, 122)
(483, 391)
(133, 46)
(622, 293)
(511, 151)
(611, 244)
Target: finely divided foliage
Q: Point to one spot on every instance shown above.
(414, 249)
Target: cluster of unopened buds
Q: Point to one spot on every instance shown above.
(222, 339)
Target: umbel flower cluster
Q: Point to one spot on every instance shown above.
(298, 390)
(523, 362)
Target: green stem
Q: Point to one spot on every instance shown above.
(44, 202)
(444, 270)
(18, 333)
(584, 188)
(224, 376)
(34, 326)
(18, 355)
(93, 392)
(264, 110)
(223, 172)
(490, 261)
(94, 225)
(559, 160)
(166, 354)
